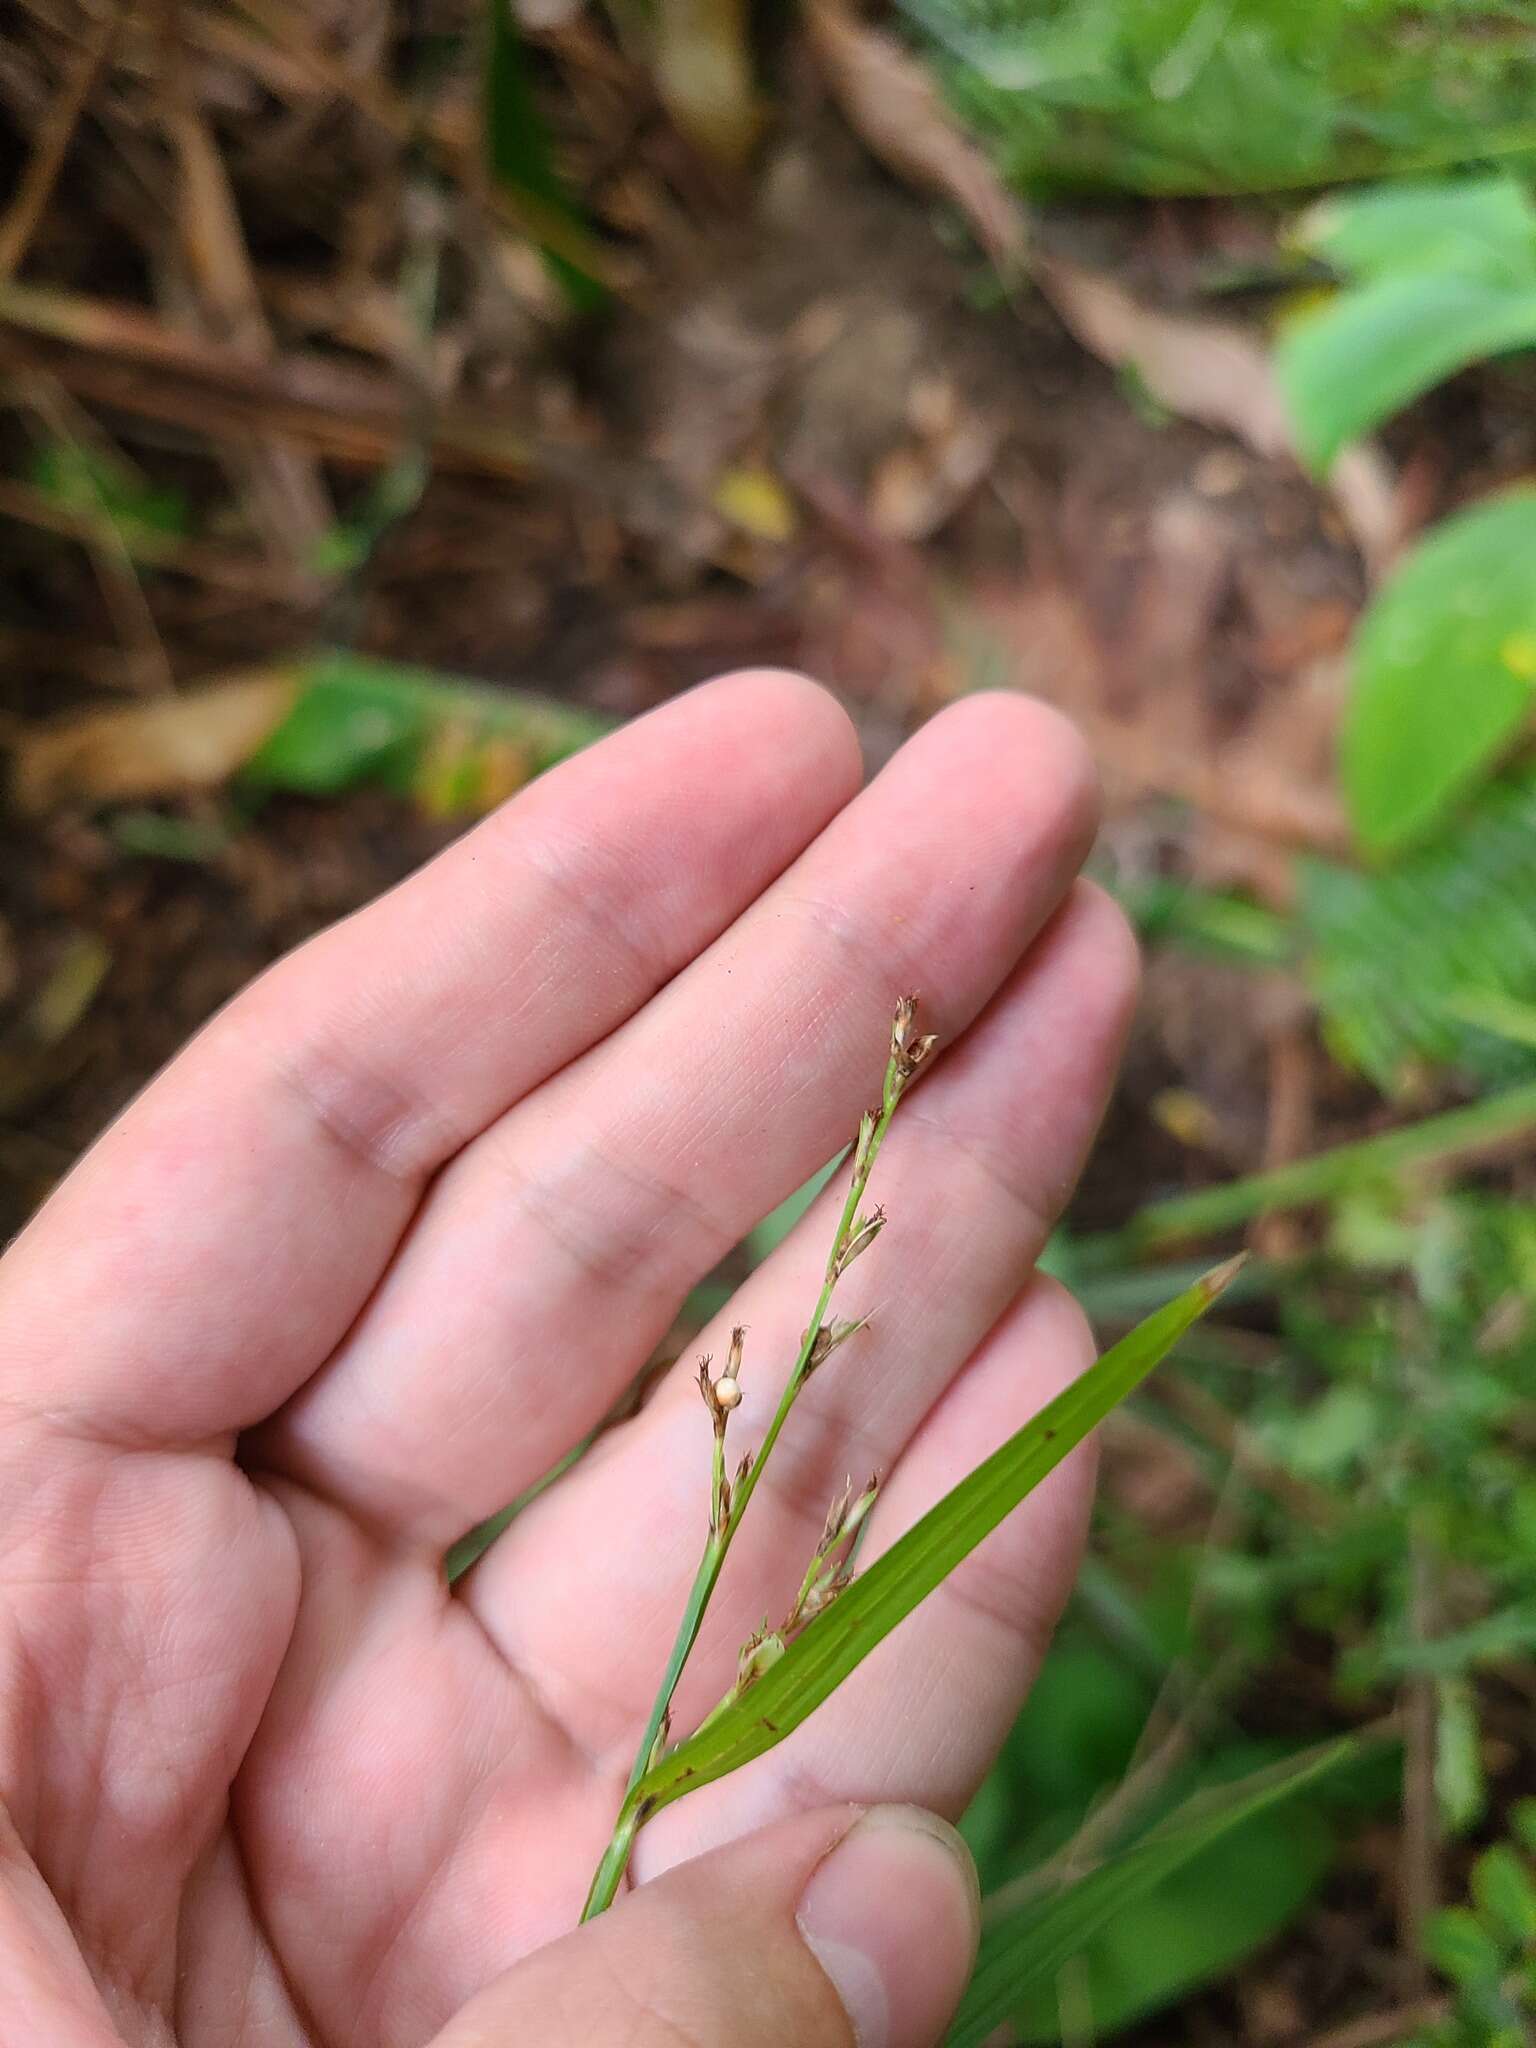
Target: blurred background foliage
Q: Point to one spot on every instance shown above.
(1201, 96)
(394, 397)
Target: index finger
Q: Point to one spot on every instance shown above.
(217, 1242)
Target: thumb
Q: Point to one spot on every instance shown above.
(829, 1930)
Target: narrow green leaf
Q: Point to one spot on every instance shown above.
(1027, 1950)
(518, 151)
(1507, 1017)
(1434, 1139)
(818, 1661)
(1445, 671)
(1472, 227)
(1193, 1928)
(1229, 927)
(1511, 1632)
(1377, 346)
(1461, 1787)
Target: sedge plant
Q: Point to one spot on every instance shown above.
(836, 1618)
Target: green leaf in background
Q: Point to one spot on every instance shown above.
(1196, 1923)
(1374, 348)
(1504, 1891)
(1072, 1749)
(1461, 1948)
(1022, 1955)
(1444, 671)
(103, 486)
(518, 151)
(1370, 1162)
(839, 1639)
(1461, 1787)
(1445, 276)
(316, 723)
(456, 746)
(1072, 1744)
(1165, 96)
(1216, 923)
(1471, 227)
(1404, 963)
(156, 835)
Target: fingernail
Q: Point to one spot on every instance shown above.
(892, 1915)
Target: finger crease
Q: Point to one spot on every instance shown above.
(590, 897)
(380, 1127)
(1035, 1220)
(619, 1258)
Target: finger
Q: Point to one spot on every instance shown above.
(46, 1991)
(553, 1255)
(979, 1161)
(220, 1238)
(924, 1716)
(831, 1932)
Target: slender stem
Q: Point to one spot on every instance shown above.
(610, 1872)
(687, 1634)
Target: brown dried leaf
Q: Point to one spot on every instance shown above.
(892, 103)
(123, 357)
(1207, 370)
(286, 488)
(195, 741)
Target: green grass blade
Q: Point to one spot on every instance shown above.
(1030, 1947)
(818, 1661)
(1453, 1134)
(518, 150)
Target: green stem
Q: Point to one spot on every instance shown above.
(687, 1635)
(610, 1872)
(1434, 1140)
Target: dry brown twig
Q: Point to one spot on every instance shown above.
(283, 482)
(51, 145)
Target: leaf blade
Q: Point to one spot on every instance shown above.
(1055, 1930)
(519, 153)
(1482, 227)
(817, 1662)
(1379, 345)
(1445, 671)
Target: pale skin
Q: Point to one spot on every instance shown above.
(388, 1238)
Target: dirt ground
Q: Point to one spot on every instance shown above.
(939, 487)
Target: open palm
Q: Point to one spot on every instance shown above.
(389, 1239)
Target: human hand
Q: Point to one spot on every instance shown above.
(389, 1238)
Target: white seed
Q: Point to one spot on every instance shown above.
(728, 1392)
